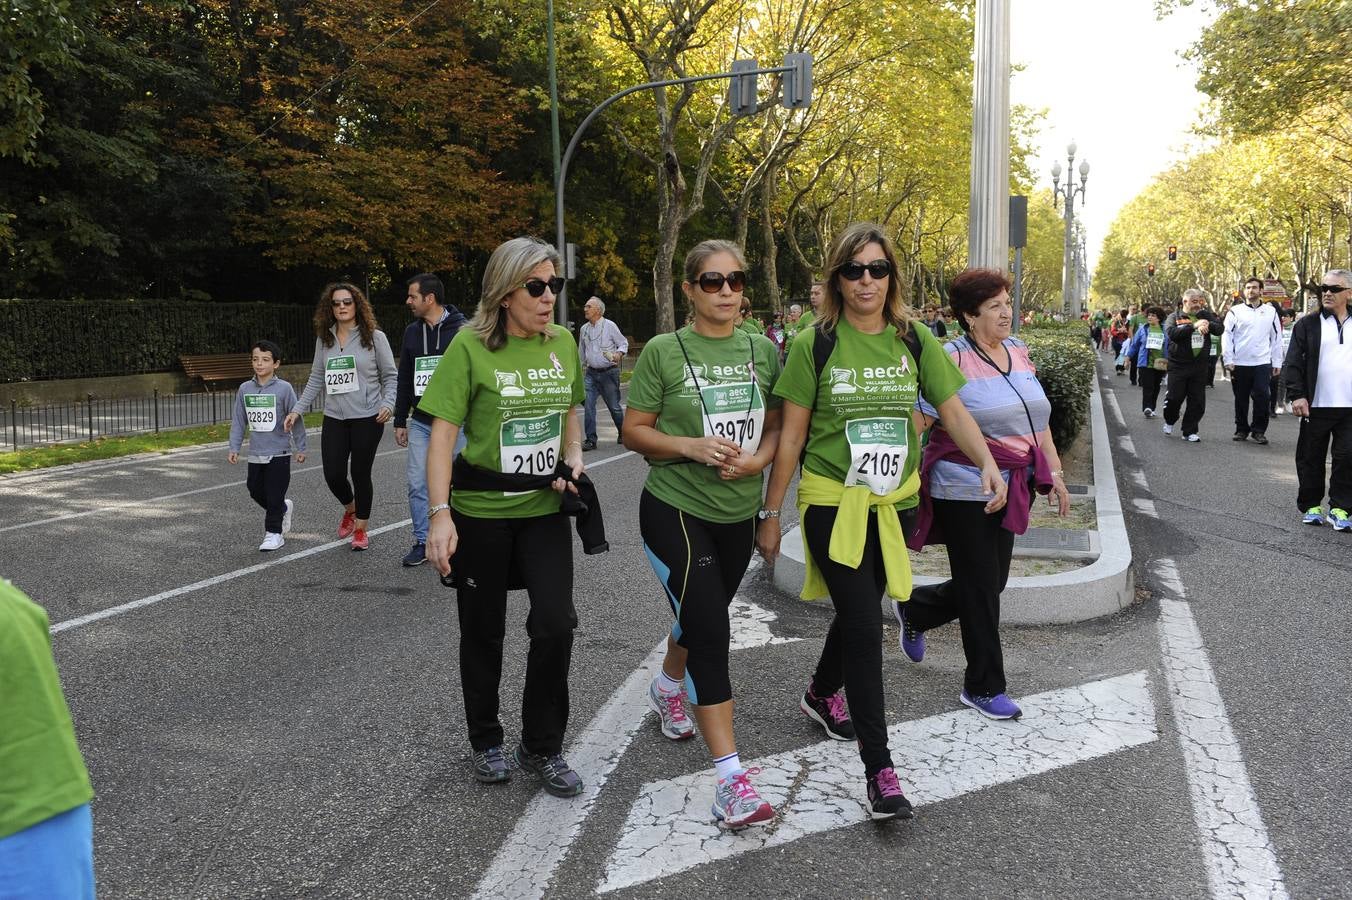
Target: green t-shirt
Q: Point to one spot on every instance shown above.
(751, 326)
(1154, 344)
(806, 319)
(513, 404)
(732, 408)
(1135, 322)
(41, 771)
(866, 389)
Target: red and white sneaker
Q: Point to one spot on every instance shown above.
(348, 525)
(359, 539)
(736, 803)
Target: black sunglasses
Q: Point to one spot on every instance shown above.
(712, 282)
(536, 288)
(853, 271)
(1331, 289)
(344, 301)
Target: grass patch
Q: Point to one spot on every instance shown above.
(124, 445)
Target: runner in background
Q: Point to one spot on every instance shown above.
(512, 380)
(1149, 352)
(260, 405)
(1278, 403)
(355, 369)
(701, 412)
(434, 323)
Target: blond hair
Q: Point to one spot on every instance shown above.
(507, 269)
(846, 245)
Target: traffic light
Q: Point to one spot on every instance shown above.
(1173, 253)
(1150, 269)
(742, 91)
(797, 91)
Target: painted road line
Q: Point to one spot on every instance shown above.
(81, 621)
(1146, 506)
(1240, 858)
(751, 626)
(526, 863)
(111, 611)
(821, 787)
(117, 507)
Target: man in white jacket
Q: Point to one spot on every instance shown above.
(1252, 347)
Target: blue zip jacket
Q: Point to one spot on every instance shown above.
(276, 442)
(421, 339)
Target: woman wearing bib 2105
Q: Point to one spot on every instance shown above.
(860, 481)
(512, 380)
(700, 410)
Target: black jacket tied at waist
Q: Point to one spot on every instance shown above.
(584, 505)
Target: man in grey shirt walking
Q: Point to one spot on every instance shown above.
(602, 347)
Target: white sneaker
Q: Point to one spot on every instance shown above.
(286, 518)
(1168, 429)
(1192, 439)
(272, 541)
(671, 715)
(1148, 413)
(1278, 411)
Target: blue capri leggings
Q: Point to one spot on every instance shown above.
(701, 564)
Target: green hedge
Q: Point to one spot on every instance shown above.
(1066, 366)
(47, 339)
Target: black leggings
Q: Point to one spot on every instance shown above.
(979, 551)
(356, 439)
(853, 654)
(701, 564)
(1150, 379)
(491, 552)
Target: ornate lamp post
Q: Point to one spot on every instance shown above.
(1068, 194)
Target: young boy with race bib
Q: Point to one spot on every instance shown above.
(261, 404)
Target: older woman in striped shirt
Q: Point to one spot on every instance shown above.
(1004, 396)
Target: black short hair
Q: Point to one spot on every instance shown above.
(429, 284)
(268, 347)
(1157, 312)
(1254, 280)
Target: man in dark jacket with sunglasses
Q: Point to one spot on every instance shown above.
(1318, 378)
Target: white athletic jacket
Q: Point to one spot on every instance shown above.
(1253, 336)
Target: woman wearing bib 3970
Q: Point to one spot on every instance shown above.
(512, 380)
(355, 370)
(853, 414)
(700, 410)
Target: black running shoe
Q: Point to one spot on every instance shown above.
(554, 772)
(885, 797)
(830, 713)
(490, 766)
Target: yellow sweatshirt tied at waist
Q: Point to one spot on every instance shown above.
(850, 531)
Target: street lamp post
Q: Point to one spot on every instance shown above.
(1068, 194)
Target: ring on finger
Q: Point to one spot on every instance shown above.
(730, 470)
(718, 455)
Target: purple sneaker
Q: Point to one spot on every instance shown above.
(885, 797)
(830, 713)
(912, 641)
(997, 707)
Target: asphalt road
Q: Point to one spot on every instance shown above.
(297, 730)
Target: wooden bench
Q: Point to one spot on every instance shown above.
(218, 367)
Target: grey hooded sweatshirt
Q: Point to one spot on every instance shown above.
(275, 441)
(337, 368)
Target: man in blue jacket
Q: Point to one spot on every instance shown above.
(435, 322)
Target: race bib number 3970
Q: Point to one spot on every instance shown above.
(735, 413)
(878, 450)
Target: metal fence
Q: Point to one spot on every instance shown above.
(85, 420)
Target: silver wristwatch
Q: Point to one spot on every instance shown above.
(764, 514)
(438, 508)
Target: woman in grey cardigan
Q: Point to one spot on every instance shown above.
(355, 369)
